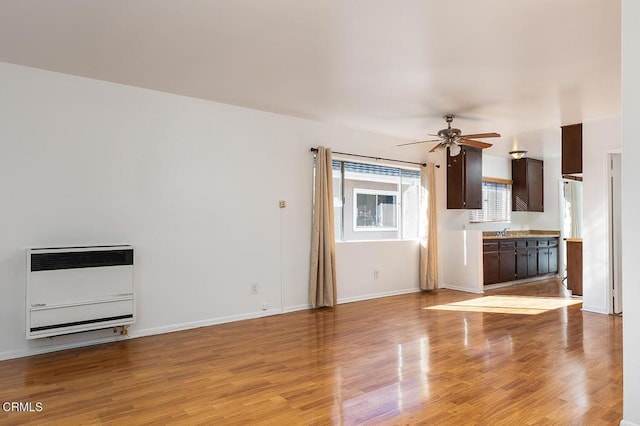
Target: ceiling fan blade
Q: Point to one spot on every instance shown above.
(414, 143)
(482, 135)
(477, 144)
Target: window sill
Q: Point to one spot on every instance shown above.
(377, 241)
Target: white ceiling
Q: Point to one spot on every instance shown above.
(389, 66)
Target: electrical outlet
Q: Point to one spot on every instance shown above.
(253, 288)
(376, 275)
(282, 204)
(265, 306)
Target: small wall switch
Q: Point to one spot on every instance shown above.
(283, 204)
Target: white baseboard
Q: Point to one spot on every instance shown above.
(296, 308)
(595, 309)
(626, 423)
(377, 295)
(204, 323)
(465, 289)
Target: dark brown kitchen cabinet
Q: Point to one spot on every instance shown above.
(507, 260)
(572, 149)
(548, 256)
(528, 185)
(519, 258)
(574, 265)
(543, 257)
(522, 259)
(532, 258)
(553, 260)
(499, 261)
(491, 262)
(464, 179)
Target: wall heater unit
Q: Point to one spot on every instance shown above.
(75, 289)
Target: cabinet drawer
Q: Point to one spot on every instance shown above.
(543, 243)
(520, 243)
(553, 242)
(507, 244)
(490, 246)
(532, 243)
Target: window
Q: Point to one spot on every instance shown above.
(496, 203)
(375, 210)
(374, 202)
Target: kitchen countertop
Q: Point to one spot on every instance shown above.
(491, 235)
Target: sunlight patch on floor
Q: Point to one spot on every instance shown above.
(521, 305)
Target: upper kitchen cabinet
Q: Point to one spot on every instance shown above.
(528, 185)
(572, 149)
(464, 179)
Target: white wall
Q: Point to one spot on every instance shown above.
(396, 263)
(599, 138)
(193, 185)
(630, 208)
(460, 261)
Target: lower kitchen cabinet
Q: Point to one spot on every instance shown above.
(519, 258)
(507, 260)
(522, 259)
(491, 262)
(553, 260)
(532, 258)
(543, 257)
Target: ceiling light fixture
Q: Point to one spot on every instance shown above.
(516, 155)
(454, 150)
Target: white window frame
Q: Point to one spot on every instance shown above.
(356, 192)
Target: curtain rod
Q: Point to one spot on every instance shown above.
(376, 158)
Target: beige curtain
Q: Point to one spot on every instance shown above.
(322, 282)
(428, 229)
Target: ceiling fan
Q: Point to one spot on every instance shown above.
(453, 138)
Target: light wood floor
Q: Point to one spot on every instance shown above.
(384, 361)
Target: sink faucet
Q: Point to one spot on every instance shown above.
(502, 233)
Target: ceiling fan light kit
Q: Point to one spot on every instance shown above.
(453, 138)
(516, 155)
(454, 150)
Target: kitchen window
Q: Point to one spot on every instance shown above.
(496, 202)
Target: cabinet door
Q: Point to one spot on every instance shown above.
(543, 260)
(464, 179)
(553, 260)
(522, 261)
(473, 177)
(507, 265)
(572, 149)
(535, 185)
(491, 266)
(532, 261)
(528, 185)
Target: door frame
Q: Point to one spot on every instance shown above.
(614, 184)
